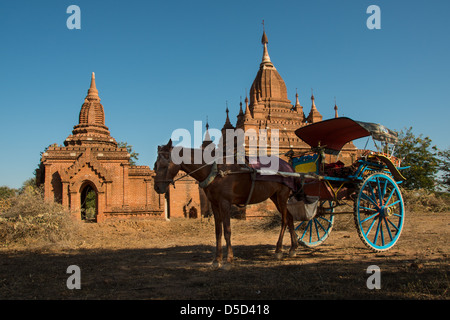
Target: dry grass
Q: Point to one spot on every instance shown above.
(421, 200)
(158, 259)
(28, 218)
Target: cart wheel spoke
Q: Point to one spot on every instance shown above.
(380, 194)
(315, 231)
(370, 217)
(366, 197)
(317, 228)
(369, 209)
(320, 224)
(373, 198)
(390, 196)
(394, 203)
(371, 225)
(384, 190)
(388, 229)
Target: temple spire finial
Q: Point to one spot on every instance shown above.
(93, 92)
(265, 41)
(247, 109)
(227, 124)
(227, 111)
(335, 109)
(93, 81)
(207, 140)
(207, 136)
(297, 103)
(313, 106)
(241, 112)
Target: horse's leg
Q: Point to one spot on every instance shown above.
(294, 243)
(278, 250)
(282, 199)
(225, 209)
(218, 225)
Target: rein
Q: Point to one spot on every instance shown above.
(215, 172)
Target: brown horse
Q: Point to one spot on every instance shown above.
(223, 191)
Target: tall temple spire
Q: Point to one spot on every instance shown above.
(268, 85)
(265, 41)
(91, 129)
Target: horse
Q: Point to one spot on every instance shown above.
(223, 188)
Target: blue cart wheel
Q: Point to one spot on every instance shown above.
(314, 232)
(379, 212)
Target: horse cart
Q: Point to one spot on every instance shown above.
(370, 183)
(308, 188)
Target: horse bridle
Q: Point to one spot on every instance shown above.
(168, 159)
(203, 184)
(212, 175)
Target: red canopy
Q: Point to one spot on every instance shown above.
(332, 134)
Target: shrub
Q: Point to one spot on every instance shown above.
(30, 218)
(424, 200)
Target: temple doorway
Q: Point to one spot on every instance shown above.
(89, 203)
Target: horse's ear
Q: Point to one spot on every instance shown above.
(169, 145)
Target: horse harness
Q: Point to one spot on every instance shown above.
(222, 173)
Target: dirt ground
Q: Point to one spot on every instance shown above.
(171, 260)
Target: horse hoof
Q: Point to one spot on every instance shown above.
(226, 266)
(292, 254)
(278, 255)
(216, 265)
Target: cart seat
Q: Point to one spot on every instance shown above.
(306, 164)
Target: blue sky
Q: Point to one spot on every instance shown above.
(161, 65)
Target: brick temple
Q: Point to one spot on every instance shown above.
(269, 108)
(91, 160)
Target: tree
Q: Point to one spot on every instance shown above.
(418, 153)
(444, 166)
(29, 184)
(134, 156)
(89, 205)
(7, 192)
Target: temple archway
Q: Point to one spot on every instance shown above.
(89, 202)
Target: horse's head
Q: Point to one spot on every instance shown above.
(164, 168)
